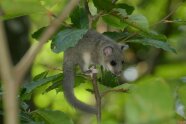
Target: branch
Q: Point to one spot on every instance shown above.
(90, 17)
(115, 90)
(10, 88)
(97, 96)
(22, 67)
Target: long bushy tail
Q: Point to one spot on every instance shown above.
(68, 84)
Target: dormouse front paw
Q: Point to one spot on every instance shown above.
(88, 72)
(91, 71)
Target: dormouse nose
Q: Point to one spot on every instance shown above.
(118, 73)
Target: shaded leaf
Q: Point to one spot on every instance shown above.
(113, 21)
(67, 38)
(117, 36)
(108, 79)
(37, 34)
(108, 5)
(52, 117)
(57, 85)
(26, 118)
(128, 9)
(105, 5)
(155, 43)
(29, 87)
(79, 18)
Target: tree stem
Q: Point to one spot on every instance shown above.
(97, 96)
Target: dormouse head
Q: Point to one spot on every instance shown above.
(113, 59)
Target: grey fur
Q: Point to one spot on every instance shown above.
(93, 44)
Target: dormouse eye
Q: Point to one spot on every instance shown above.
(113, 63)
(122, 62)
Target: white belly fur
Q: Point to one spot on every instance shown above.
(87, 60)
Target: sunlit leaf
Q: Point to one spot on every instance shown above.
(139, 20)
(150, 102)
(67, 38)
(17, 8)
(182, 95)
(52, 117)
(166, 70)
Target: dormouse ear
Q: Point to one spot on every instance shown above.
(124, 47)
(108, 50)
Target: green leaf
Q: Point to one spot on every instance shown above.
(79, 18)
(120, 12)
(25, 118)
(182, 95)
(117, 36)
(108, 79)
(113, 21)
(139, 20)
(41, 75)
(108, 5)
(105, 5)
(67, 38)
(37, 34)
(150, 102)
(128, 9)
(29, 87)
(52, 117)
(155, 43)
(58, 87)
(17, 8)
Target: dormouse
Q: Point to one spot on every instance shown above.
(93, 49)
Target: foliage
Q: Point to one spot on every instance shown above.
(151, 99)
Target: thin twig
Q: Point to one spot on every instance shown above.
(52, 68)
(114, 90)
(173, 21)
(10, 88)
(90, 17)
(27, 60)
(167, 16)
(97, 96)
